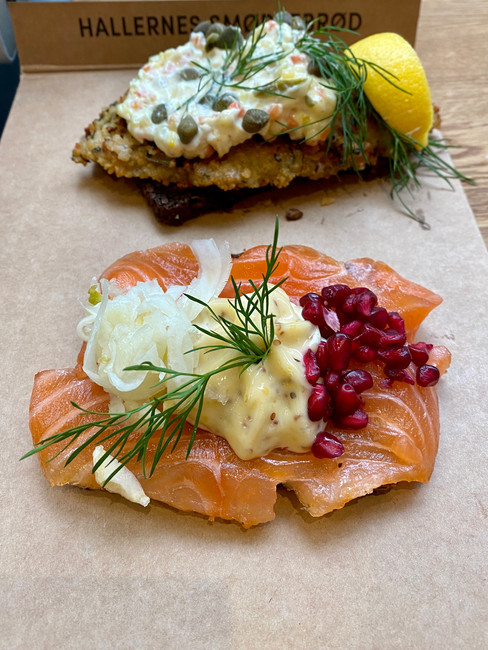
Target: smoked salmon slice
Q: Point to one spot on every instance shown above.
(399, 444)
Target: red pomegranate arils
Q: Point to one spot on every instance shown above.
(356, 420)
(317, 403)
(339, 351)
(392, 339)
(321, 356)
(335, 294)
(327, 445)
(370, 336)
(332, 379)
(420, 352)
(379, 317)
(427, 375)
(359, 379)
(313, 312)
(349, 304)
(309, 297)
(312, 370)
(346, 400)
(396, 322)
(353, 328)
(363, 353)
(365, 303)
(397, 358)
(325, 331)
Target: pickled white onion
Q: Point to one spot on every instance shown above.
(146, 323)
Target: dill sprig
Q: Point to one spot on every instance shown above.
(347, 74)
(166, 414)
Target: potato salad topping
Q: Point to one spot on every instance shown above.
(219, 90)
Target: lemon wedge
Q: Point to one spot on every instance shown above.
(406, 106)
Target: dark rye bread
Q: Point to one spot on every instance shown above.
(180, 189)
(173, 206)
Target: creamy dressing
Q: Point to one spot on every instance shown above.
(303, 108)
(265, 407)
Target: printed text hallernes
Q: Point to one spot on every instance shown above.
(119, 26)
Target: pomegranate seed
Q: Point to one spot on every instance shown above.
(353, 328)
(325, 331)
(349, 304)
(379, 317)
(339, 351)
(335, 294)
(312, 311)
(359, 379)
(364, 353)
(328, 411)
(332, 379)
(365, 302)
(312, 370)
(327, 446)
(427, 375)
(346, 400)
(317, 402)
(397, 358)
(370, 336)
(420, 352)
(392, 339)
(356, 420)
(309, 297)
(321, 356)
(396, 322)
(399, 375)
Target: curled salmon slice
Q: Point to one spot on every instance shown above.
(399, 444)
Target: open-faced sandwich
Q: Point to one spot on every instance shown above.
(221, 116)
(206, 391)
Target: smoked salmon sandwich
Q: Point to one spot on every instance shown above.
(222, 116)
(206, 380)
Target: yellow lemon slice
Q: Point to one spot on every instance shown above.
(408, 110)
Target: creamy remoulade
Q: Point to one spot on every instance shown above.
(193, 101)
(265, 407)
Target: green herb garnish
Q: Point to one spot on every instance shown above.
(165, 415)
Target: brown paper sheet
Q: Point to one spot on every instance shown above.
(403, 570)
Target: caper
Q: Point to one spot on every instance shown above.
(254, 120)
(215, 28)
(187, 129)
(202, 27)
(212, 41)
(159, 114)
(207, 100)
(223, 102)
(297, 23)
(283, 17)
(313, 68)
(189, 74)
(230, 37)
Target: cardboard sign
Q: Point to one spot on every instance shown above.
(65, 35)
